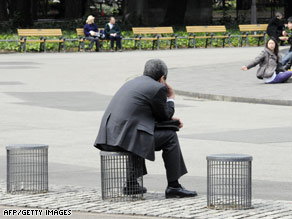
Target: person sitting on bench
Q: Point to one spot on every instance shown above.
(113, 32)
(91, 33)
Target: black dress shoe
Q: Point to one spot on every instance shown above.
(134, 189)
(180, 192)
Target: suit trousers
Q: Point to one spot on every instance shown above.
(167, 141)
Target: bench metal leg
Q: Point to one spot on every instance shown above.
(24, 46)
(64, 45)
(239, 40)
(140, 46)
(246, 40)
(102, 47)
(20, 45)
(157, 43)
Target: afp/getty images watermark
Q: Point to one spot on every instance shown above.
(37, 212)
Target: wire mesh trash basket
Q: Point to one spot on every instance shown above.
(121, 176)
(27, 168)
(229, 181)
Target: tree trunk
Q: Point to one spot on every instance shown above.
(22, 12)
(73, 8)
(243, 4)
(175, 12)
(3, 10)
(288, 8)
(135, 12)
(199, 12)
(253, 12)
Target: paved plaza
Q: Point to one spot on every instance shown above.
(59, 99)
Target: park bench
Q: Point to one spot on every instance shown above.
(208, 32)
(154, 34)
(82, 40)
(44, 36)
(252, 30)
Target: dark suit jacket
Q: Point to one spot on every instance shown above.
(129, 119)
(275, 28)
(116, 29)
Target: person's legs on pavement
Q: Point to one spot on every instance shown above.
(167, 141)
(112, 42)
(118, 41)
(91, 39)
(96, 39)
(282, 77)
(286, 58)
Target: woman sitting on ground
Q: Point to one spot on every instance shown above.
(91, 33)
(270, 70)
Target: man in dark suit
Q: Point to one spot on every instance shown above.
(129, 122)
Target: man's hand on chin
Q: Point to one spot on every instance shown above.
(180, 122)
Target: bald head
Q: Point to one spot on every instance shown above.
(155, 68)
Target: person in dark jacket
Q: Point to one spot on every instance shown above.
(271, 69)
(276, 27)
(128, 124)
(91, 33)
(288, 56)
(113, 32)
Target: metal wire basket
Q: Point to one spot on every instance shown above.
(27, 168)
(121, 176)
(229, 181)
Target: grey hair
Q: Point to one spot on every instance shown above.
(279, 14)
(155, 68)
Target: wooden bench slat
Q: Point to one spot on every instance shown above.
(205, 29)
(152, 30)
(253, 27)
(208, 37)
(155, 38)
(32, 41)
(253, 35)
(39, 32)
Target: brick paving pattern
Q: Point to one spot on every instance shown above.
(154, 204)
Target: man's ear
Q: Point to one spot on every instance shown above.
(161, 80)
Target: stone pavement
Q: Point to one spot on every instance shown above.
(154, 204)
